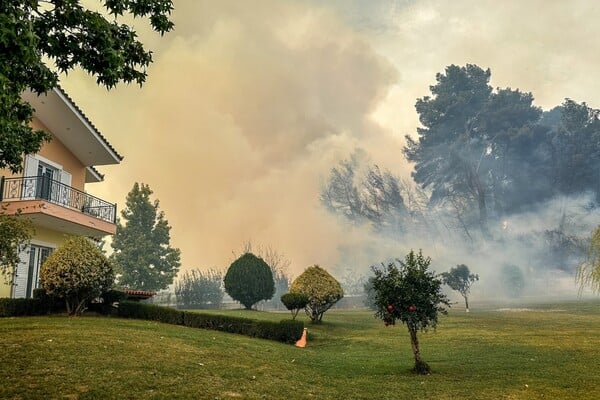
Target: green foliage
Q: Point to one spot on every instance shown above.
(512, 280)
(409, 292)
(77, 272)
(142, 249)
(150, 312)
(286, 331)
(322, 289)
(22, 307)
(15, 233)
(459, 278)
(467, 140)
(199, 289)
(249, 280)
(39, 39)
(294, 302)
(106, 302)
(52, 303)
(588, 273)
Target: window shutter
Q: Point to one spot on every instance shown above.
(65, 191)
(20, 277)
(29, 173)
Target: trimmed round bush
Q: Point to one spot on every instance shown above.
(294, 302)
(322, 289)
(77, 272)
(249, 280)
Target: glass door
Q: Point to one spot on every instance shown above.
(37, 256)
(45, 175)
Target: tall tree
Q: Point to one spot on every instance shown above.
(365, 193)
(576, 145)
(462, 148)
(40, 39)
(142, 249)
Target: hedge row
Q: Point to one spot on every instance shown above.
(286, 331)
(22, 307)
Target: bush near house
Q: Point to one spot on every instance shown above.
(22, 307)
(77, 272)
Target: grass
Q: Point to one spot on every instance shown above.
(550, 351)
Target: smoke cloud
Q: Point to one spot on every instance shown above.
(248, 107)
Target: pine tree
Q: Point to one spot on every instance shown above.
(142, 251)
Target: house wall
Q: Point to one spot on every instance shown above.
(57, 152)
(42, 237)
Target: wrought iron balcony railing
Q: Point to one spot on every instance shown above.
(44, 188)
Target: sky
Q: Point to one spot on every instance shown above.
(248, 105)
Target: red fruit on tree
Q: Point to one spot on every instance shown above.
(412, 308)
(390, 307)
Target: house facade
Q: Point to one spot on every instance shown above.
(50, 190)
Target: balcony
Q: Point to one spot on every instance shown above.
(54, 205)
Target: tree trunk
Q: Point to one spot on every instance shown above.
(466, 303)
(421, 366)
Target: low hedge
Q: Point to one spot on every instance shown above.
(151, 312)
(286, 331)
(22, 307)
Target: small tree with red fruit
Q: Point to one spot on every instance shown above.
(407, 291)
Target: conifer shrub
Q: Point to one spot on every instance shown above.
(249, 280)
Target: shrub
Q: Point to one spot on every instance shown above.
(199, 289)
(150, 312)
(322, 289)
(286, 331)
(294, 302)
(104, 303)
(77, 272)
(22, 307)
(53, 303)
(249, 280)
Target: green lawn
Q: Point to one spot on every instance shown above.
(550, 352)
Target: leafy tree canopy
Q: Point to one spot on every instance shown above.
(142, 249)
(459, 278)
(407, 291)
(322, 289)
(78, 272)
(40, 39)
(249, 280)
(15, 233)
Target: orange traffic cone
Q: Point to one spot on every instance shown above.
(302, 341)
